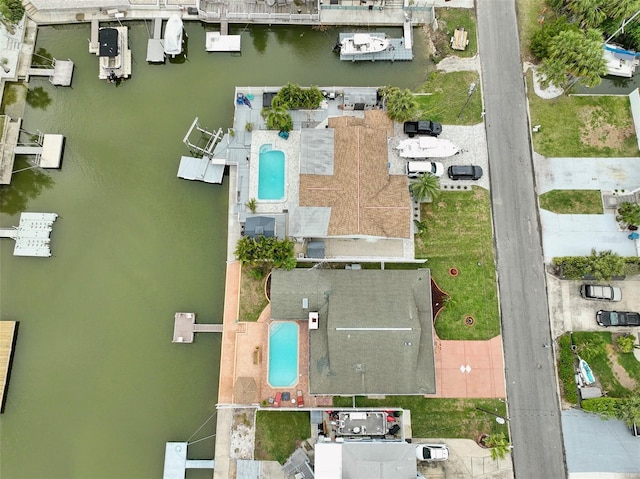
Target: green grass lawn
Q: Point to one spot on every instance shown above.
(530, 13)
(252, 296)
(448, 20)
(577, 202)
(459, 235)
(445, 96)
(278, 433)
(454, 418)
(582, 126)
(593, 347)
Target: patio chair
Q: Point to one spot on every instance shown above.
(277, 400)
(299, 398)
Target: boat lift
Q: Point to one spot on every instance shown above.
(201, 166)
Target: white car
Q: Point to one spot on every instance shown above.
(432, 452)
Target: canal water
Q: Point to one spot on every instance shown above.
(97, 387)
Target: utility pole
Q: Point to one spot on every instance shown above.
(472, 88)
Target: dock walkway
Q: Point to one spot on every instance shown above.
(8, 331)
(185, 327)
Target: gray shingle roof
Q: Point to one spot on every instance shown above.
(375, 331)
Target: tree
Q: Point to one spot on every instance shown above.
(278, 118)
(606, 264)
(293, 96)
(628, 214)
(12, 10)
(401, 104)
(426, 189)
(590, 13)
(541, 38)
(266, 252)
(498, 444)
(574, 55)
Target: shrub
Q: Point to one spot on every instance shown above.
(566, 369)
(601, 265)
(626, 343)
(628, 214)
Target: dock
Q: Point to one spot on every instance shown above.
(216, 42)
(47, 150)
(202, 166)
(176, 462)
(185, 327)
(60, 73)
(397, 50)
(8, 330)
(32, 234)
(155, 45)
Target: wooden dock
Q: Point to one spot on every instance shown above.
(185, 327)
(8, 331)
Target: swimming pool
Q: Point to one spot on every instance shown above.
(270, 174)
(283, 354)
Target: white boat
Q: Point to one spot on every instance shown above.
(173, 36)
(362, 43)
(585, 372)
(620, 62)
(426, 147)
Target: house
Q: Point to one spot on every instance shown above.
(365, 460)
(374, 331)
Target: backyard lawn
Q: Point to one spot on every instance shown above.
(444, 97)
(616, 373)
(278, 433)
(449, 19)
(582, 126)
(574, 202)
(253, 299)
(431, 418)
(459, 235)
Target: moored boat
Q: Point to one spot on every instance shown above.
(363, 43)
(173, 36)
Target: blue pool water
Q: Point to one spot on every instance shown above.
(283, 354)
(270, 174)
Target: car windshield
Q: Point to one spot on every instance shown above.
(613, 318)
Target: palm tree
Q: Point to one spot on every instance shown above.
(591, 13)
(279, 118)
(498, 444)
(401, 104)
(426, 189)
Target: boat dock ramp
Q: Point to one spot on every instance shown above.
(400, 49)
(32, 234)
(202, 166)
(155, 45)
(217, 42)
(176, 462)
(185, 327)
(60, 72)
(8, 330)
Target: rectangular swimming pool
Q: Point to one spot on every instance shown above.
(283, 354)
(270, 174)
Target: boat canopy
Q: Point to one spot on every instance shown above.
(108, 40)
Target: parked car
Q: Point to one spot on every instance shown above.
(600, 292)
(416, 169)
(464, 172)
(432, 452)
(617, 318)
(430, 128)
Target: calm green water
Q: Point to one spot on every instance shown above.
(97, 387)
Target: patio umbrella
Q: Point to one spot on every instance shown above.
(245, 390)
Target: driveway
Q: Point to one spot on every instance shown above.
(606, 174)
(467, 460)
(577, 235)
(597, 448)
(570, 312)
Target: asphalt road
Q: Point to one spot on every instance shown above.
(533, 405)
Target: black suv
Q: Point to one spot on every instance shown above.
(464, 172)
(430, 128)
